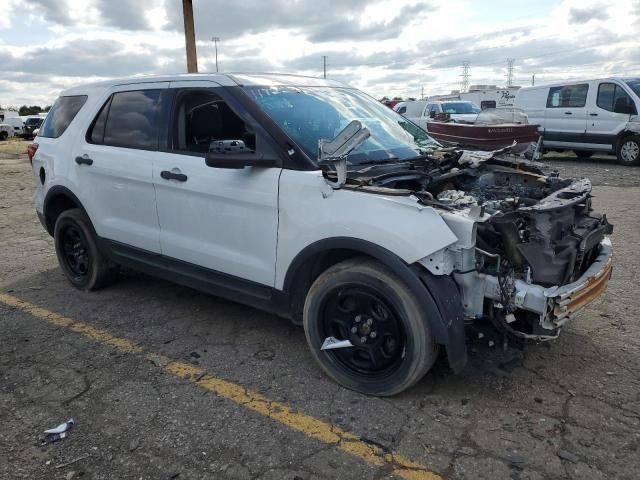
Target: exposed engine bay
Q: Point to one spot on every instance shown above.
(534, 232)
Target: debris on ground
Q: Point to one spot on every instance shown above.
(57, 433)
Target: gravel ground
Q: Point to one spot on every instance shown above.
(567, 409)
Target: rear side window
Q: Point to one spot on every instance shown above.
(128, 119)
(61, 114)
(568, 96)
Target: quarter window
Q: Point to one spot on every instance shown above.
(61, 114)
(611, 95)
(568, 96)
(128, 119)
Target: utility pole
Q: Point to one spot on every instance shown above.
(533, 80)
(510, 71)
(215, 41)
(422, 94)
(324, 66)
(190, 36)
(465, 76)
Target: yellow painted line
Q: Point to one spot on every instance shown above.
(280, 412)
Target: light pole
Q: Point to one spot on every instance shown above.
(215, 41)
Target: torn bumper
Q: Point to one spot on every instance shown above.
(570, 299)
(555, 305)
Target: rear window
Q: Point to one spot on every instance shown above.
(129, 120)
(61, 114)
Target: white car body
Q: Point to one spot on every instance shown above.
(249, 233)
(584, 120)
(421, 112)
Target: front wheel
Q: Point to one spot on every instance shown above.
(629, 151)
(387, 344)
(4, 135)
(83, 264)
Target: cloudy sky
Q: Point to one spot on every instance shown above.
(385, 47)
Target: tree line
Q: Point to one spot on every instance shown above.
(29, 109)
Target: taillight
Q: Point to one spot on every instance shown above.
(31, 150)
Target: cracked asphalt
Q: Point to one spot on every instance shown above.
(567, 409)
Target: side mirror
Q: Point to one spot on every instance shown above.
(235, 154)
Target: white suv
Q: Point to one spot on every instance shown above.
(311, 200)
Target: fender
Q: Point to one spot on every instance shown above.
(434, 292)
(53, 192)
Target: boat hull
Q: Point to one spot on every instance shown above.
(483, 136)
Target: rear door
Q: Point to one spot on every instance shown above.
(604, 123)
(225, 220)
(566, 115)
(114, 165)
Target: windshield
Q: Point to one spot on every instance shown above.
(308, 114)
(458, 108)
(634, 84)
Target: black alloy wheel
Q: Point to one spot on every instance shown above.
(360, 314)
(76, 253)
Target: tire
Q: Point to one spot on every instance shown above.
(83, 264)
(583, 153)
(354, 300)
(629, 151)
(4, 135)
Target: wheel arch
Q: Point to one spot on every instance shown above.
(57, 200)
(440, 292)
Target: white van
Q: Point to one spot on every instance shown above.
(587, 116)
(16, 124)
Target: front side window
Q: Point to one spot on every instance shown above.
(128, 119)
(203, 117)
(568, 96)
(307, 114)
(61, 114)
(613, 98)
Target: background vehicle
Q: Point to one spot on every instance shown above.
(32, 123)
(6, 131)
(588, 116)
(421, 111)
(314, 201)
(17, 125)
(486, 96)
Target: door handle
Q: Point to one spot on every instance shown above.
(568, 113)
(167, 175)
(84, 160)
(593, 114)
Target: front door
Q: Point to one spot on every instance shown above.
(604, 123)
(224, 220)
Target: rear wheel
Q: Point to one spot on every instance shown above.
(363, 302)
(82, 263)
(629, 151)
(583, 153)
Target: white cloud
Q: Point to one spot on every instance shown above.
(392, 47)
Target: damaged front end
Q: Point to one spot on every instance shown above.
(531, 252)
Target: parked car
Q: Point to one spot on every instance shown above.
(6, 131)
(314, 201)
(32, 123)
(587, 116)
(421, 111)
(16, 124)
